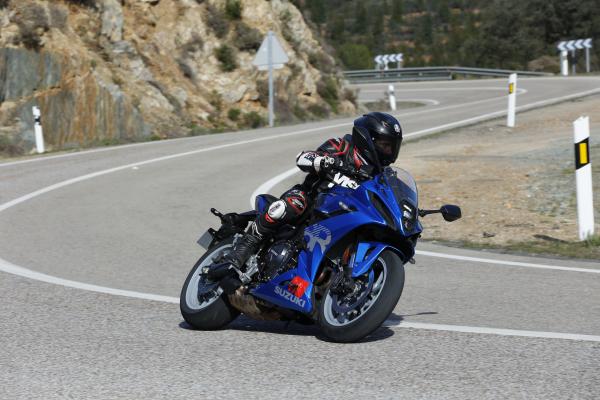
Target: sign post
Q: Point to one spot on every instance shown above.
(573, 46)
(583, 176)
(512, 100)
(270, 56)
(37, 127)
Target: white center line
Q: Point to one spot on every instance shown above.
(491, 331)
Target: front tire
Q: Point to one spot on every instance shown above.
(341, 322)
(213, 311)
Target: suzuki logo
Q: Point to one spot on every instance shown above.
(317, 234)
(290, 297)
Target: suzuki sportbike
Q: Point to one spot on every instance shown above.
(341, 266)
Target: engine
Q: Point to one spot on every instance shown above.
(280, 257)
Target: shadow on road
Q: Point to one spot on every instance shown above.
(291, 328)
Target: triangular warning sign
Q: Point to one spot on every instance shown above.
(278, 54)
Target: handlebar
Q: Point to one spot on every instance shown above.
(357, 173)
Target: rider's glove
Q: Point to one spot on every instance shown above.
(329, 164)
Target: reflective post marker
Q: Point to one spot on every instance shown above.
(512, 100)
(564, 63)
(37, 127)
(392, 97)
(583, 176)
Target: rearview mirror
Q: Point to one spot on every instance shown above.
(450, 212)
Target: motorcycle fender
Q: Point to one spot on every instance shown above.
(366, 254)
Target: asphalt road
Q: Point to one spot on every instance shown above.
(128, 217)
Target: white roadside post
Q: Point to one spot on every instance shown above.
(583, 176)
(512, 100)
(564, 63)
(587, 43)
(37, 127)
(270, 56)
(392, 97)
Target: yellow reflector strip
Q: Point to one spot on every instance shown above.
(583, 157)
(511, 88)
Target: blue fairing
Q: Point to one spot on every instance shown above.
(348, 209)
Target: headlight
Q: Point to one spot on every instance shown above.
(409, 215)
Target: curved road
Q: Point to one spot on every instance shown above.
(469, 324)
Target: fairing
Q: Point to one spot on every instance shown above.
(348, 210)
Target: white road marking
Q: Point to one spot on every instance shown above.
(400, 100)
(505, 262)
(10, 268)
(5, 266)
(491, 331)
(402, 89)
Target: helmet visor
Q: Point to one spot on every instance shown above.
(387, 149)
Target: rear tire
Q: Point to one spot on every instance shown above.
(215, 312)
(347, 330)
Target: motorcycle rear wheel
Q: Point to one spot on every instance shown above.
(213, 311)
(343, 322)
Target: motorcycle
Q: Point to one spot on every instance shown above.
(341, 266)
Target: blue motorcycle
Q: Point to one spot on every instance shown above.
(341, 267)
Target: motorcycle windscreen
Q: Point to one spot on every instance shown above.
(403, 185)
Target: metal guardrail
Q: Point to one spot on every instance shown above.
(429, 74)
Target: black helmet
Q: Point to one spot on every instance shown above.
(385, 132)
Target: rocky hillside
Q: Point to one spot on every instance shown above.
(108, 71)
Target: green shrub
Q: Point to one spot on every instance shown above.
(356, 56)
(33, 21)
(233, 9)
(234, 114)
(227, 57)
(262, 87)
(216, 100)
(253, 120)
(86, 3)
(350, 95)
(322, 62)
(300, 112)
(216, 21)
(318, 110)
(193, 45)
(196, 130)
(10, 148)
(328, 90)
(247, 38)
(58, 16)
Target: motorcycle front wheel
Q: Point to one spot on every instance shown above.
(202, 303)
(351, 317)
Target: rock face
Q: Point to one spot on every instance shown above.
(123, 70)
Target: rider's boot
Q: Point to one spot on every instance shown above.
(225, 272)
(244, 247)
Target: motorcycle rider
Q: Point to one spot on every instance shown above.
(332, 156)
